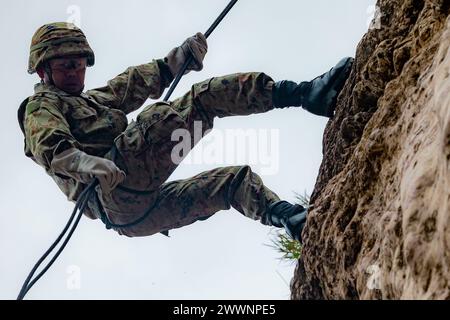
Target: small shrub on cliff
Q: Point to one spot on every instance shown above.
(291, 250)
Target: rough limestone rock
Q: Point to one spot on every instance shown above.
(380, 227)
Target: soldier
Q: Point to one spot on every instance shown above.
(78, 136)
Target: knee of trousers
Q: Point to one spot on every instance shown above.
(241, 173)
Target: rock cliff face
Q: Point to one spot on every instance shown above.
(380, 227)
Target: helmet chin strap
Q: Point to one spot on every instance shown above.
(48, 71)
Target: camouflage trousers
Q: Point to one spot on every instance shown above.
(144, 152)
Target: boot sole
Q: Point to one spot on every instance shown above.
(337, 86)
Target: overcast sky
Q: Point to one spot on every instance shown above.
(226, 257)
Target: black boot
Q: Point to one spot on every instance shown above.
(291, 217)
(318, 96)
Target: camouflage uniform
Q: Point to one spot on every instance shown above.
(95, 121)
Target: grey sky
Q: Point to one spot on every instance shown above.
(225, 257)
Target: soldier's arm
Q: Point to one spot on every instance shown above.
(47, 132)
(48, 136)
(129, 90)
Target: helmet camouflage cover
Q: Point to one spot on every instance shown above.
(57, 40)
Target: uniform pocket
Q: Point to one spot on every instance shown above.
(78, 109)
(131, 140)
(81, 119)
(159, 121)
(83, 112)
(201, 87)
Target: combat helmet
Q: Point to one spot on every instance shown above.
(56, 40)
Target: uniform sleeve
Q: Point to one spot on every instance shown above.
(129, 90)
(47, 132)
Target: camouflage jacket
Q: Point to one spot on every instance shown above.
(53, 121)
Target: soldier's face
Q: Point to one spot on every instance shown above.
(68, 73)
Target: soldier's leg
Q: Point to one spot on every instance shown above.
(237, 94)
(145, 151)
(146, 148)
(231, 95)
(183, 202)
(149, 140)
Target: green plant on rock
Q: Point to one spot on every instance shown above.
(290, 250)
